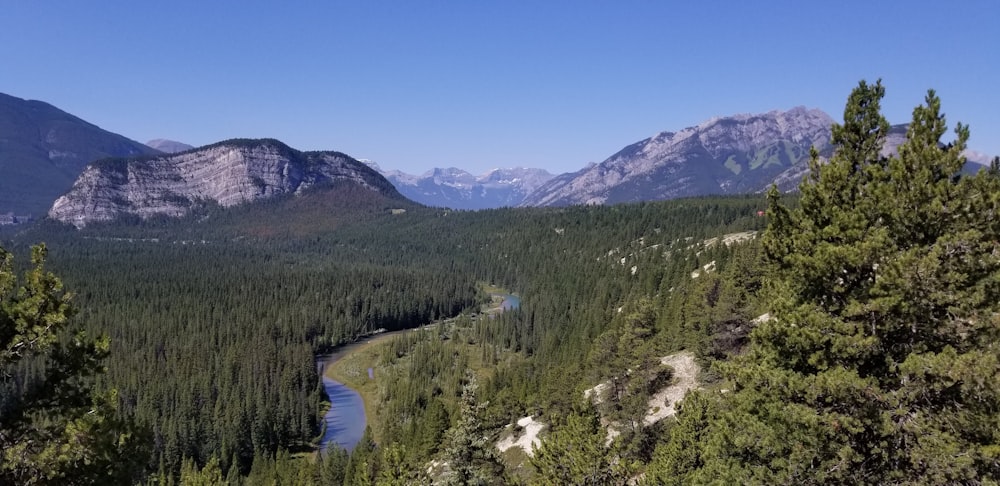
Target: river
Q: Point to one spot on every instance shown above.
(510, 302)
(345, 421)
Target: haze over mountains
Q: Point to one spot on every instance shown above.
(43, 149)
(458, 189)
(168, 146)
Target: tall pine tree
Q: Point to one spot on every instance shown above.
(471, 455)
(881, 362)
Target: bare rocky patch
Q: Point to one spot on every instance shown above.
(524, 436)
(663, 404)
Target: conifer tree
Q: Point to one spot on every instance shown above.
(881, 362)
(472, 457)
(54, 427)
(362, 467)
(575, 453)
(393, 471)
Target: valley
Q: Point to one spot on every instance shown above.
(288, 317)
(264, 322)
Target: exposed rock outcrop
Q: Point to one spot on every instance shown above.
(726, 155)
(227, 173)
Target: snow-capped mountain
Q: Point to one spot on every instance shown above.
(458, 189)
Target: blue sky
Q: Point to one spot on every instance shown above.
(477, 84)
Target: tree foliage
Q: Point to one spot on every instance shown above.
(215, 333)
(880, 363)
(471, 455)
(54, 427)
(575, 453)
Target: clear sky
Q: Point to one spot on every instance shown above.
(481, 84)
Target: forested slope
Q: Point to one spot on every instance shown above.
(215, 319)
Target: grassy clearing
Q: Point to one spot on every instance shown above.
(492, 289)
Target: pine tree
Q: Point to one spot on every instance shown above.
(333, 465)
(362, 467)
(472, 457)
(210, 475)
(393, 471)
(881, 361)
(54, 427)
(574, 453)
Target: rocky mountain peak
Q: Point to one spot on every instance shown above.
(227, 173)
(455, 188)
(721, 155)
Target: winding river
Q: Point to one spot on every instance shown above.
(345, 421)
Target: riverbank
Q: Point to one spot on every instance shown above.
(356, 367)
(351, 365)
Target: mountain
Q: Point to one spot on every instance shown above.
(725, 155)
(43, 149)
(168, 146)
(227, 173)
(458, 189)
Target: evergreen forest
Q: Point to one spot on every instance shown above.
(845, 334)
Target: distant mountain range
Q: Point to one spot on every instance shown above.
(43, 149)
(458, 189)
(725, 155)
(168, 146)
(227, 173)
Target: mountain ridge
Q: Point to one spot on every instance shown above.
(43, 149)
(226, 173)
(458, 189)
(722, 155)
(743, 153)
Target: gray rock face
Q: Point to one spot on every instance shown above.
(458, 189)
(789, 179)
(228, 173)
(725, 155)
